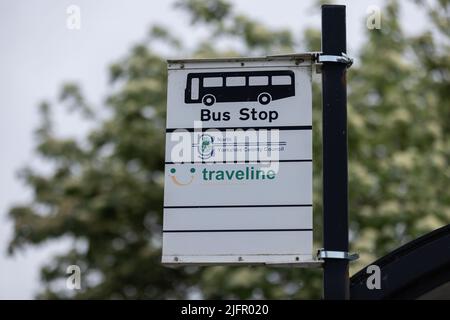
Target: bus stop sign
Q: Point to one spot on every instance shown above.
(238, 170)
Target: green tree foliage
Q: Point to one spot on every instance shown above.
(399, 128)
(105, 191)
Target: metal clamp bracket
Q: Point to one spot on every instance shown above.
(325, 254)
(343, 58)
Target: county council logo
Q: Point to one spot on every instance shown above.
(175, 180)
(206, 146)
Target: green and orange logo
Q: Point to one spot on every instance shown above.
(184, 181)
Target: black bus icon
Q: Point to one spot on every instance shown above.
(262, 86)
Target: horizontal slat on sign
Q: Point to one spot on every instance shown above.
(239, 145)
(238, 218)
(237, 243)
(259, 62)
(191, 129)
(185, 185)
(299, 260)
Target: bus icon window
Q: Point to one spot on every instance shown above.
(261, 86)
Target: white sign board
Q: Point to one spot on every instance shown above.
(238, 173)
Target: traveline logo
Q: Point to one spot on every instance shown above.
(249, 173)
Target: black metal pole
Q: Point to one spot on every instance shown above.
(335, 180)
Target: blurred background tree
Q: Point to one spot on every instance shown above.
(105, 191)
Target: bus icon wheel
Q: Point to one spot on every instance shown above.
(264, 98)
(209, 100)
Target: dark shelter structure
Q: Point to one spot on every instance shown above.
(419, 269)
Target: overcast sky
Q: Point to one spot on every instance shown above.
(39, 53)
